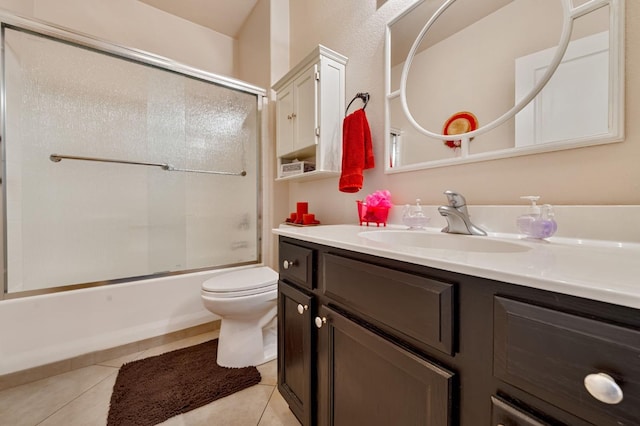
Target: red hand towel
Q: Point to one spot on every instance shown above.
(357, 152)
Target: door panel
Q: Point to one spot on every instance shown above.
(295, 350)
(372, 381)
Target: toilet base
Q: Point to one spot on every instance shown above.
(270, 340)
(245, 343)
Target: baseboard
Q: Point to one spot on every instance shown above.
(43, 371)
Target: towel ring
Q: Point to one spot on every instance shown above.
(361, 95)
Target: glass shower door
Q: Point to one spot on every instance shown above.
(78, 221)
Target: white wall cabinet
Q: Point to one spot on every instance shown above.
(310, 103)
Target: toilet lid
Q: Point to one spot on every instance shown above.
(243, 281)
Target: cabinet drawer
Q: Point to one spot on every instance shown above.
(416, 309)
(549, 353)
(297, 264)
(505, 414)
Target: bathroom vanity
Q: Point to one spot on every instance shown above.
(383, 329)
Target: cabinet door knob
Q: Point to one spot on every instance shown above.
(320, 321)
(289, 117)
(603, 387)
(293, 115)
(302, 308)
(288, 264)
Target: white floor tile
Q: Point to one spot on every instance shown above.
(269, 373)
(277, 413)
(31, 403)
(81, 397)
(243, 408)
(90, 408)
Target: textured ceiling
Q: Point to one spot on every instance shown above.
(223, 16)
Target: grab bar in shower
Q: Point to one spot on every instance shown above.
(56, 158)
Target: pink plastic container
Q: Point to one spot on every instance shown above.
(377, 215)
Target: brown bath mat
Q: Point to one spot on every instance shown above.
(151, 390)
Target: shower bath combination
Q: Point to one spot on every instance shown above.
(112, 126)
(126, 177)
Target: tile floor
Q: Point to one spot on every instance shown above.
(81, 397)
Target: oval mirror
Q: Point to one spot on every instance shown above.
(473, 69)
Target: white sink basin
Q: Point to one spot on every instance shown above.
(469, 243)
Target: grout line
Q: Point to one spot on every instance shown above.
(266, 405)
(73, 399)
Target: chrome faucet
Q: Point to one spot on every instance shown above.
(457, 216)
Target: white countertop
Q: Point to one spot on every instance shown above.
(593, 269)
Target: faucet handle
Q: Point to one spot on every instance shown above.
(455, 199)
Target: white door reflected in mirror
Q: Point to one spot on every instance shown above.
(575, 102)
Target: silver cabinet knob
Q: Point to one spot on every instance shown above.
(302, 308)
(320, 321)
(603, 387)
(288, 264)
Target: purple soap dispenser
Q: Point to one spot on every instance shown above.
(546, 225)
(539, 222)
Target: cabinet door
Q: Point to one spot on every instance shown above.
(284, 120)
(295, 350)
(365, 379)
(305, 92)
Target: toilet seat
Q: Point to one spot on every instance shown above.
(244, 282)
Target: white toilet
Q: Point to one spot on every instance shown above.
(246, 301)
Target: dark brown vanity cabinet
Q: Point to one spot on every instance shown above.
(365, 340)
(338, 363)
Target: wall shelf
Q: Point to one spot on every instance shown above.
(304, 177)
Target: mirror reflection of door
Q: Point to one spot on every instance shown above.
(575, 102)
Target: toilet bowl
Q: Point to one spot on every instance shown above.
(245, 300)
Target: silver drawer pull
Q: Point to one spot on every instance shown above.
(302, 308)
(604, 388)
(289, 264)
(320, 321)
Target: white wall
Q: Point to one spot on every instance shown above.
(607, 174)
(135, 24)
(263, 58)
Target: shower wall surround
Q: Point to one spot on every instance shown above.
(76, 222)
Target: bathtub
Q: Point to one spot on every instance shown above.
(42, 329)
